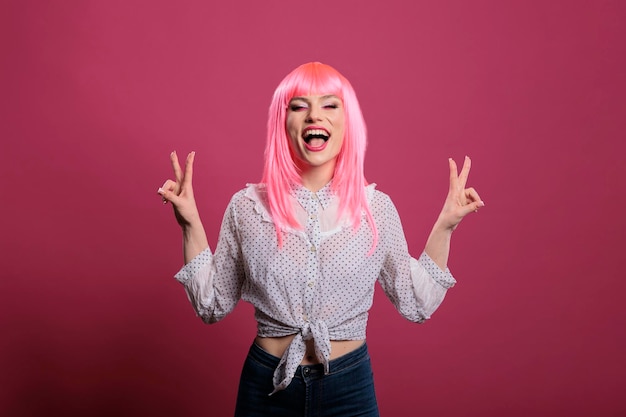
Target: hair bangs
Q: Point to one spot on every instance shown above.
(311, 79)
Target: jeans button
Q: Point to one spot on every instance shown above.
(306, 371)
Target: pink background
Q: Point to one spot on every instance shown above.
(95, 94)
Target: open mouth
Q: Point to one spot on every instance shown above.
(315, 138)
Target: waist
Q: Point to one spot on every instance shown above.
(335, 364)
(276, 346)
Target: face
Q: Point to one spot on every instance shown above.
(315, 126)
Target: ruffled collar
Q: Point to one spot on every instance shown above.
(303, 194)
(258, 194)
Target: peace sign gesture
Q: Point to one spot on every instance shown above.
(460, 200)
(180, 191)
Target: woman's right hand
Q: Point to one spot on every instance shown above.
(179, 192)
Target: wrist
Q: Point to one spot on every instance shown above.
(443, 226)
(188, 220)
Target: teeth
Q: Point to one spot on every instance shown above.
(317, 132)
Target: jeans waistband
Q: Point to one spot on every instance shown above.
(335, 365)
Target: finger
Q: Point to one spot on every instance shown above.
(467, 164)
(472, 195)
(162, 192)
(168, 196)
(178, 173)
(168, 185)
(454, 177)
(474, 202)
(168, 192)
(189, 169)
(472, 208)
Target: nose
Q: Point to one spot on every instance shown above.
(314, 114)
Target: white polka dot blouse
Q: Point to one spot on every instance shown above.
(320, 284)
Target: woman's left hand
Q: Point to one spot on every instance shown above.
(460, 200)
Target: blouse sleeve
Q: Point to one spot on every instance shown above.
(213, 281)
(416, 287)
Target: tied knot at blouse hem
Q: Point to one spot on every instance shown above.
(320, 284)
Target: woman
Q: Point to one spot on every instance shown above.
(305, 247)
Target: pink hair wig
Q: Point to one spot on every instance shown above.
(280, 170)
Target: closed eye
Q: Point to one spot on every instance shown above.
(297, 107)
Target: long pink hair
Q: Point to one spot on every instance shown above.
(280, 169)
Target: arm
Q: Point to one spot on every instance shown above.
(212, 281)
(416, 287)
(460, 202)
(180, 194)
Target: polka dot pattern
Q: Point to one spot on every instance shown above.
(320, 284)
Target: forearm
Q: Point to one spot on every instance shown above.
(194, 240)
(438, 244)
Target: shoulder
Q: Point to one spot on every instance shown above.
(251, 199)
(251, 192)
(377, 198)
(382, 208)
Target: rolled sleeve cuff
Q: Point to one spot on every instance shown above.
(443, 278)
(194, 266)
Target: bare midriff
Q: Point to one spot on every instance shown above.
(278, 345)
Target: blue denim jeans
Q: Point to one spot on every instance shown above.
(346, 391)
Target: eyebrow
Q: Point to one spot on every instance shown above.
(322, 97)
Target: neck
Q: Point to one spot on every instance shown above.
(315, 178)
